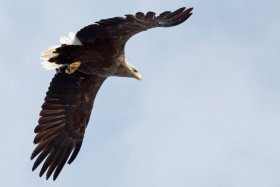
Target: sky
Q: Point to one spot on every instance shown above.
(205, 114)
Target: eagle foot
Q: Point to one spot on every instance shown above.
(71, 68)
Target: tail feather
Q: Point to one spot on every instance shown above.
(52, 52)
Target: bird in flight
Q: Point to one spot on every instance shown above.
(82, 62)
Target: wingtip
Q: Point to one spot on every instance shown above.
(34, 165)
(189, 10)
(32, 157)
(186, 8)
(55, 176)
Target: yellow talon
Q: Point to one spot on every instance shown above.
(71, 68)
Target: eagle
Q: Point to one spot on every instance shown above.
(83, 61)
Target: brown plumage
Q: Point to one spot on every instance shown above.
(99, 51)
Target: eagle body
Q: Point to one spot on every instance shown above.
(96, 59)
(82, 62)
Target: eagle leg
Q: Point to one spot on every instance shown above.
(71, 68)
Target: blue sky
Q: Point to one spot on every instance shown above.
(205, 114)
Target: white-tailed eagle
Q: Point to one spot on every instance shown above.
(83, 61)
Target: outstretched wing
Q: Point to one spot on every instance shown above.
(116, 31)
(64, 118)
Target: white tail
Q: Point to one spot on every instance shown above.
(51, 52)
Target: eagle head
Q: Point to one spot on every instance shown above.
(124, 69)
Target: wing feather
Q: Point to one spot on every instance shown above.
(150, 16)
(140, 15)
(64, 117)
(118, 30)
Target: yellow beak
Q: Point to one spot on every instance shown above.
(138, 76)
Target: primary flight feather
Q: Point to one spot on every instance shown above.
(83, 61)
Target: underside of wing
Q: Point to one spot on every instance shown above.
(63, 120)
(118, 30)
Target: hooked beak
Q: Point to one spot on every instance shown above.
(134, 72)
(137, 76)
